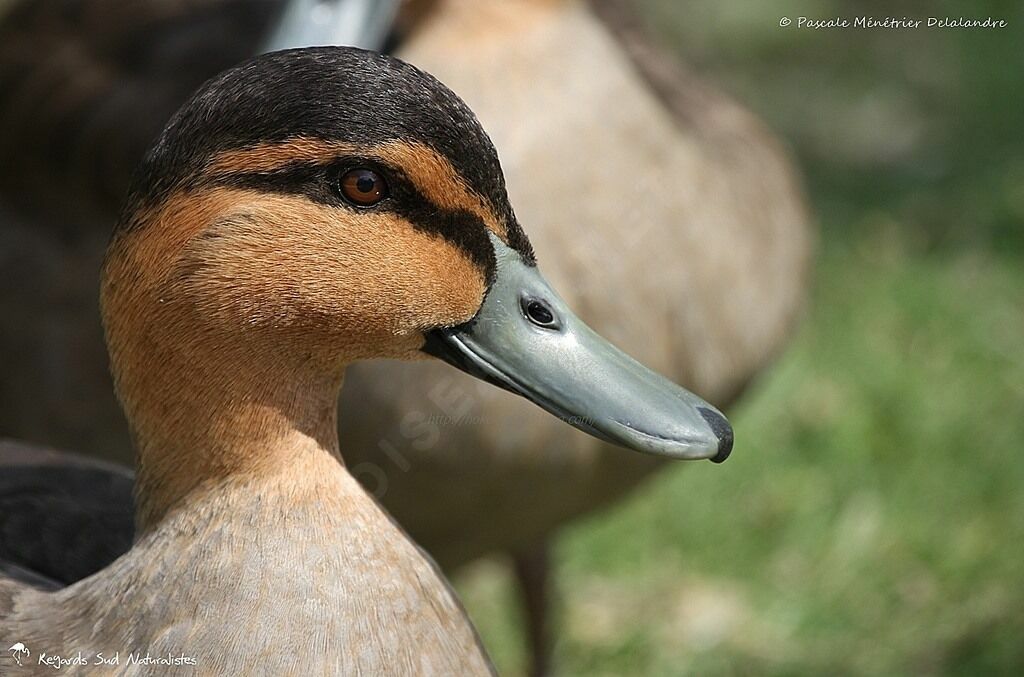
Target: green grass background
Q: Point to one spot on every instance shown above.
(871, 521)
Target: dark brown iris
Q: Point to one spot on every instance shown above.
(363, 187)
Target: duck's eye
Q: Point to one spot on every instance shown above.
(363, 187)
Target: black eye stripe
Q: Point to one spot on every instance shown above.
(316, 181)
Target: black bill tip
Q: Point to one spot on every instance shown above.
(722, 430)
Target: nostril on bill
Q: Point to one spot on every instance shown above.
(722, 430)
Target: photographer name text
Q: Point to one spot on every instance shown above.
(891, 22)
(58, 662)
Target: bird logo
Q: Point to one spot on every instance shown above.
(19, 651)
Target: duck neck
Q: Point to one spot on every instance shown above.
(238, 419)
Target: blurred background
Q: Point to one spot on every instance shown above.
(872, 516)
(870, 520)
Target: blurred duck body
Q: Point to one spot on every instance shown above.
(680, 233)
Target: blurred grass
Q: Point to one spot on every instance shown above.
(871, 520)
(874, 523)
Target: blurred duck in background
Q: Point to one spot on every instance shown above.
(652, 194)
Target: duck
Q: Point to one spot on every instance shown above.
(305, 210)
(703, 277)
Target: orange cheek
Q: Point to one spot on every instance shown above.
(283, 261)
(280, 270)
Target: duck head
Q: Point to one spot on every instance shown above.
(313, 207)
